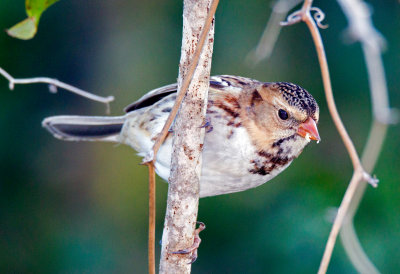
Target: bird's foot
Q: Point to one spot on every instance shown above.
(207, 125)
(196, 243)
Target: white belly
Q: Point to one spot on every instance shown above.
(227, 153)
(226, 161)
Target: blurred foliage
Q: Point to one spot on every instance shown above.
(82, 207)
(27, 28)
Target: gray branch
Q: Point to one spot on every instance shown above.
(53, 85)
(183, 191)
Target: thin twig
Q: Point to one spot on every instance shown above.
(152, 219)
(359, 174)
(149, 159)
(308, 19)
(271, 32)
(53, 84)
(361, 29)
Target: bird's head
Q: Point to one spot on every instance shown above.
(282, 113)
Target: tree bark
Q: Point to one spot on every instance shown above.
(183, 191)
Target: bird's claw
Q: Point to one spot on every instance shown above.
(196, 243)
(207, 125)
(148, 158)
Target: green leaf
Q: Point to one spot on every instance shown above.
(23, 30)
(27, 28)
(35, 8)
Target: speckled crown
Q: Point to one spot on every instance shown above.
(296, 96)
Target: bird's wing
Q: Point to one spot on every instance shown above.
(152, 97)
(229, 82)
(219, 83)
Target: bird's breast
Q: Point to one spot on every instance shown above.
(231, 161)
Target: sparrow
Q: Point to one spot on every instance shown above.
(254, 130)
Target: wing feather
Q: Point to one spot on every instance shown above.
(152, 97)
(219, 83)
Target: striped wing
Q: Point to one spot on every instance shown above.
(225, 83)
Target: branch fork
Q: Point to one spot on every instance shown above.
(54, 84)
(359, 174)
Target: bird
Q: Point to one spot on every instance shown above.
(254, 130)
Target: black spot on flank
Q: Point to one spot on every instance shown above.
(260, 170)
(265, 154)
(278, 143)
(166, 110)
(279, 161)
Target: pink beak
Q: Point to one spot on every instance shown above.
(309, 127)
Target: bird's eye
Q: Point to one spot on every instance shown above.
(283, 114)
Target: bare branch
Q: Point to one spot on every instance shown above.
(359, 174)
(183, 190)
(271, 32)
(305, 16)
(185, 84)
(53, 85)
(184, 81)
(149, 159)
(152, 219)
(361, 29)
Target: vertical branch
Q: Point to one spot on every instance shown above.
(152, 219)
(183, 191)
(150, 158)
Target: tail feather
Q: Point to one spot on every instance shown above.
(84, 128)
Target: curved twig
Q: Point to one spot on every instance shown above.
(361, 29)
(54, 84)
(359, 173)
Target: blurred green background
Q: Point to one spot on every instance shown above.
(82, 207)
